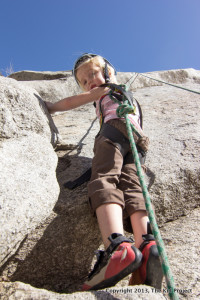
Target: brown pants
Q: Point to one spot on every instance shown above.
(111, 181)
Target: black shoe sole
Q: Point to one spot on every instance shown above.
(154, 273)
(130, 269)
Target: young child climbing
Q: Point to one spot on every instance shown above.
(115, 194)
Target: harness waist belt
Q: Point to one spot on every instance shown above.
(117, 137)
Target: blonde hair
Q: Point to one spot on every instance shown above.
(100, 62)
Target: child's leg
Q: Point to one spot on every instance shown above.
(150, 272)
(109, 218)
(120, 258)
(139, 221)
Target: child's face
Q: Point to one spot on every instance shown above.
(90, 76)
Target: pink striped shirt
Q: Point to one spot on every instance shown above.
(108, 107)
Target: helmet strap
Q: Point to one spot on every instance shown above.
(106, 74)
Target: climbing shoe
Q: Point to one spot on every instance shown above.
(150, 271)
(120, 259)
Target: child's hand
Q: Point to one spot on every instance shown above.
(97, 92)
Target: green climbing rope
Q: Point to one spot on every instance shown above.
(122, 111)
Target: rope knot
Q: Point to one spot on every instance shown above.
(124, 109)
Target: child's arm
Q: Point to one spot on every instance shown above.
(75, 101)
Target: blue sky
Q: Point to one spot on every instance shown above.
(135, 35)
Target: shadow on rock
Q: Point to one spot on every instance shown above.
(58, 255)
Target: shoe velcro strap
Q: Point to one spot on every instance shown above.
(147, 238)
(116, 239)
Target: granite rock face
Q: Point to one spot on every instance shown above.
(28, 183)
(59, 251)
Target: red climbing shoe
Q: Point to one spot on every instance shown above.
(150, 272)
(120, 259)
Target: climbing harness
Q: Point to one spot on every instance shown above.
(117, 94)
(123, 144)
